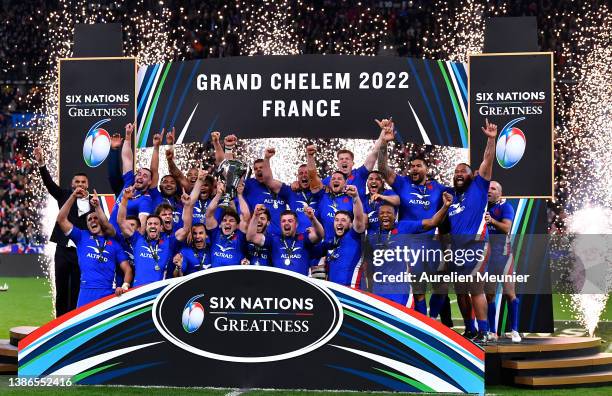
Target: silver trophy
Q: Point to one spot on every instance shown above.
(231, 172)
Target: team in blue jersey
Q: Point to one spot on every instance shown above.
(312, 226)
(98, 251)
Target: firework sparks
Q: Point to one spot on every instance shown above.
(583, 136)
(148, 37)
(459, 31)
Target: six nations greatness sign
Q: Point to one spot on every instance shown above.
(271, 329)
(515, 91)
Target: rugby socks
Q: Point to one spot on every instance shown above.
(491, 316)
(420, 306)
(469, 325)
(435, 303)
(483, 326)
(514, 318)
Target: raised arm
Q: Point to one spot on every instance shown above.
(175, 171)
(370, 159)
(390, 199)
(252, 235)
(188, 204)
(360, 220)
(219, 154)
(114, 164)
(313, 177)
(211, 221)
(127, 156)
(229, 143)
(486, 167)
(245, 213)
(62, 216)
(315, 233)
(437, 218)
(268, 179)
(387, 134)
(52, 187)
(154, 166)
(105, 225)
(125, 228)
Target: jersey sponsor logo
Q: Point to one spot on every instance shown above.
(217, 325)
(224, 248)
(96, 256)
(420, 199)
(455, 209)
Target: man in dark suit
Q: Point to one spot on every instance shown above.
(67, 273)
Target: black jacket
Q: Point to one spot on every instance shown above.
(61, 196)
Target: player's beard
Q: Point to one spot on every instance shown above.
(417, 178)
(466, 183)
(199, 244)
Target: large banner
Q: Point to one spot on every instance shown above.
(253, 327)
(97, 97)
(319, 96)
(515, 91)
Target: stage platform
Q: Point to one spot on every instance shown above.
(535, 362)
(8, 349)
(548, 362)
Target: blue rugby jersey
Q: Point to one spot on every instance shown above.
(371, 209)
(140, 203)
(342, 255)
(258, 193)
(466, 213)
(329, 204)
(98, 257)
(151, 257)
(357, 178)
(293, 254)
(177, 213)
(296, 201)
(500, 242)
(195, 260)
(226, 249)
(418, 202)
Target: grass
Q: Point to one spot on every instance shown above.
(28, 302)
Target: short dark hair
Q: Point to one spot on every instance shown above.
(81, 174)
(421, 158)
(345, 212)
(289, 212)
(170, 176)
(385, 203)
(343, 175)
(345, 151)
(267, 213)
(209, 179)
(231, 212)
(163, 206)
(379, 173)
(154, 216)
(135, 218)
(467, 165)
(257, 161)
(198, 225)
(148, 170)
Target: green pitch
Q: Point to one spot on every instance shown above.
(26, 303)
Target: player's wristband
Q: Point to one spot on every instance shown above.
(125, 286)
(229, 149)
